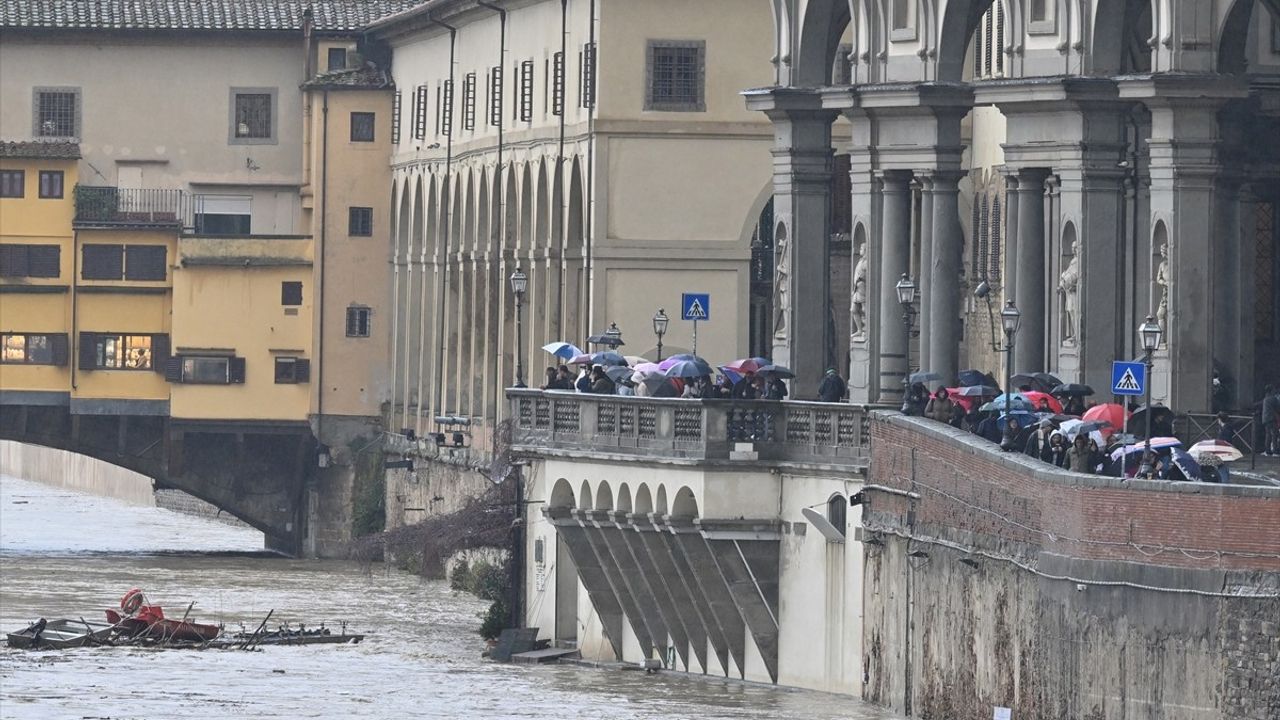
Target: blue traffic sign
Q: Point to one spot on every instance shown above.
(1128, 378)
(695, 306)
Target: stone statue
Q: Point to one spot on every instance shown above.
(1162, 282)
(781, 284)
(1069, 287)
(858, 311)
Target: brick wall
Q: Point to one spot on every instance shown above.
(1019, 506)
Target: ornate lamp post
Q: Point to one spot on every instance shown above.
(1149, 332)
(613, 337)
(519, 285)
(1010, 320)
(660, 321)
(906, 296)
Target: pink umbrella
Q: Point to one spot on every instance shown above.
(743, 366)
(961, 400)
(1157, 443)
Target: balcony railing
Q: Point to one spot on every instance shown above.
(685, 430)
(136, 207)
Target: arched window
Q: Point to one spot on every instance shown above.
(836, 509)
(996, 224)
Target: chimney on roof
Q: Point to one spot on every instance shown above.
(308, 44)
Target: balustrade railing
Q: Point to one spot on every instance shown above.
(129, 206)
(688, 430)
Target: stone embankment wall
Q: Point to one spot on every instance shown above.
(74, 472)
(996, 581)
(439, 483)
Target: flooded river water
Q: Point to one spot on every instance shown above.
(64, 554)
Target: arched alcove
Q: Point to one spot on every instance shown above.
(685, 505)
(644, 500)
(837, 512)
(660, 503)
(561, 494)
(584, 496)
(624, 498)
(604, 496)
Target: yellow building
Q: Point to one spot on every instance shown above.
(36, 266)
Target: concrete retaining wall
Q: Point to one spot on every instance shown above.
(75, 472)
(992, 580)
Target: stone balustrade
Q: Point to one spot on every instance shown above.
(687, 430)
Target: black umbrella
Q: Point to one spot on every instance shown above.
(1048, 379)
(776, 371)
(925, 376)
(977, 391)
(1072, 390)
(1033, 380)
(1159, 414)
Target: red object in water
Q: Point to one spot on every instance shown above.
(147, 625)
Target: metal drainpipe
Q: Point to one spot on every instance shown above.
(564, 62)
(448, 212)
(588, 303)
(73, 355)
(499, 187)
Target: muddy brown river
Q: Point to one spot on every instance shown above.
(64, 554)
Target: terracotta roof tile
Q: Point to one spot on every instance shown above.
(196, 15)
(39, 149)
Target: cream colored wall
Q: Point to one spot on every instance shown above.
(739, 44)
(357, 269)
(238, 308)
(163, 101)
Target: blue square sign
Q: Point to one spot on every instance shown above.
(695, 306)
(1128, 378)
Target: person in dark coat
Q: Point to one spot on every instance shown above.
(600, 382)
(916, 400)
(1073, 406)
(583, 385)
(939, 408)
(1039, 440)
(1009, 432)
(775, 389)
(832, 388)
(1056, 452)
(744, 389)
(989, 428)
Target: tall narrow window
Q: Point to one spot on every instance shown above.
(495, 95)
(13, 183)
(469, 102)
(444, 113)
(526, 91)
(997, 224)
(903, 16)
(997, 8)
(984, 237)
(358, 320)
(395, 118)
(420, 113)
(986, 43)
(676, 71)
(557, 84)
(57, 112)
(362, 126)
(587, 75)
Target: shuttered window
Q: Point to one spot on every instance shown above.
(33, 349)
(102, 262)
(292, 370)
(124, 262)
(526, 91)
(358, 321)
(144, 262)
(33, 261)
(395, 118)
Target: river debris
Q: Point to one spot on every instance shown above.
(138, 623)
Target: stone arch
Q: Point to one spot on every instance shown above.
(837, 512)
(542, 209)
(1117, 37)
(959, 22)
(1069, 315)
(561, 494)
(685, 504)
(584, 496)
(817, 41)
(604, 496)
(660, 502)
(510, 208)
(643, 501)
(1233, 36)
(415, 282)
(556, 237)
(525, 240)
(624, 498)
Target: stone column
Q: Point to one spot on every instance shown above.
(1029, 290)
(924, 282)
(944, 277)
(802, 166)
(895, 259)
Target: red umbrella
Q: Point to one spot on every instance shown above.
(1036, 397)
(744, 365)
(961, 400)
(1109, 413)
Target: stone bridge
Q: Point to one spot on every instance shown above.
(257, 472)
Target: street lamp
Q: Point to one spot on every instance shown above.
(1010, 320)
(519, 284)
(1149, 332)
(660, 321)
(613, 336)
(906, 296)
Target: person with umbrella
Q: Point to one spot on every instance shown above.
(832, 388)
(1011, 431)
(1039, 440)
(1080, 456)
(600, 382)
(939, 408)
(916, 400)
(1056, 452)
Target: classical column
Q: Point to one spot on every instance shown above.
(895, 259)
(1029, 290)
(926, 270)
(944, 277)
(802, 166)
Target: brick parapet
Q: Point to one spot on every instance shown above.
(970, 492)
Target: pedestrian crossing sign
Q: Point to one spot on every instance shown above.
(695, 306)
(1128, 378)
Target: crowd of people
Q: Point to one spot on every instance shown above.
(746, 386)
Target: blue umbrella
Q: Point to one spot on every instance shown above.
(1023, 418)
(608, 357)
(562, 350)
(734, 376)
(1187, 464)
(1016, 401)
(689, 369)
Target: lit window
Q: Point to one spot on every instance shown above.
(33, 349)
(676, 73)
(122, 352)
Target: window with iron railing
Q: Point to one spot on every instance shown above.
(676, 75)
(360, 221)
(56, 112)
(253, 115)
(362, 126)
(358, 321)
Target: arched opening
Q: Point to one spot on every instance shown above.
(624, 498)
(1120, 33)
(957, 29)
(685, 505)
(644, 500)
(525, 237)
(1158, 306)
(427, 224)
(414, 281)
(1069, 286)
(823, 25)
(1237, 27)
(575, 284)
(456, 312)
(561, 494)
(604, 496)
(837, 507)
(584, 496)
(760, 316)
(660, 504)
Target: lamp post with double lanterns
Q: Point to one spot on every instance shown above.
(906, 297)
(1149, 332)
(519, 285)
(1010, 320)
(660, 321)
